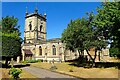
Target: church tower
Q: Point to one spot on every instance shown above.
(35, 27)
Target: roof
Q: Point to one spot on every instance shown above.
(27, 51)
(27, 44)
(54, 40)
(41, 42)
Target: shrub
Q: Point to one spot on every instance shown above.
(23, 61)
(15, 72)
(114, 52)
(32, 61)
(40, 60)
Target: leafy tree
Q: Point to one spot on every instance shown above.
(107, 21)
(11, 41)
(9, 24)
(81, 35)
(114, 52)
(11, 45)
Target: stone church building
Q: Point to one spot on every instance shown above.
(36, 46)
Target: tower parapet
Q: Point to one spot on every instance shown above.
(35, 27)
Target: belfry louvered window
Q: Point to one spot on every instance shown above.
(30, 26)
(41, 28)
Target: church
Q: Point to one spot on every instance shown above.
(37, 47)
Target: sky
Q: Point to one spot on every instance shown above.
(59, 14)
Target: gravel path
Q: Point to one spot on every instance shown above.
(42, 73)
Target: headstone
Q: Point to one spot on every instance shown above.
(18, 59)
(53, 62)
(53, 67)
(12, 62)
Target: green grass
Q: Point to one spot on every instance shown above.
(81, 72)
(24, 74)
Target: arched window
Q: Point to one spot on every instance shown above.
(54, 50)
(40, 50)
(41, 28)
(30, 26)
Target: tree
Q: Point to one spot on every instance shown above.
(81, 35)
(11, 45)
(9, 25)
(107, 21)
(114, 52)
(11, 41)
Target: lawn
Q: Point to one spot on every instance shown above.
(25, 74)
(80, 71)
(0, 73)
(5, 74)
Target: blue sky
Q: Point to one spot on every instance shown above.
(59, 14)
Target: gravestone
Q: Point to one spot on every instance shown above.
(12, 62)
(53, 67)
(18, 59)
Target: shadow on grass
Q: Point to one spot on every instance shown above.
(97, 64)
(107, 64)
(16, 65)
(4, 66)
(21, 65)
(87, 64)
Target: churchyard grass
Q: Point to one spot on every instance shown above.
(24, 74)
(81, 72)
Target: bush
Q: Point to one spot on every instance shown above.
(40, 60)
(31, 61)
(114, 52)
(15, 72)
(22, 61)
